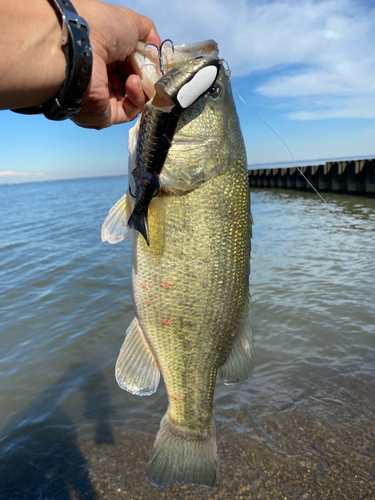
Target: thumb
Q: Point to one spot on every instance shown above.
(114, 30)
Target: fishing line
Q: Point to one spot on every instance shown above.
(291, 154)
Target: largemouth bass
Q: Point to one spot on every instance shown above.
(191, 284)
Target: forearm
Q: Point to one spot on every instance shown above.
(32, 62)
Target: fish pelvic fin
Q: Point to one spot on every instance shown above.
(115, 226)
(240, 362)
(138, 221)
(136, 368)
(183, 456)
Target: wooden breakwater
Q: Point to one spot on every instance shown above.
(353, 177)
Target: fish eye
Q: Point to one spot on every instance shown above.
(215, 91)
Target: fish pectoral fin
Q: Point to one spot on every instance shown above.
(136, 368)
(115, 226)
(240, 362)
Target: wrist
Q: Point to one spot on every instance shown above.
(77, 49)
(32, 62)
(78, 54)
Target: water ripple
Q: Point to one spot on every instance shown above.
(66, 303)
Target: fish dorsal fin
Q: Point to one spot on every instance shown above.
(115, 226)
(136, 368)
(240, 362)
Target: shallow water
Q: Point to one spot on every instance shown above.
(302, 427)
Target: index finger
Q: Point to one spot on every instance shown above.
(147, 31)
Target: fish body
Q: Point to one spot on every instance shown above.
(191, 287)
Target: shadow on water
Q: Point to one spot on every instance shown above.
(96, 393)
(39, 455)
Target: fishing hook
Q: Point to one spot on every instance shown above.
(226, 69)
(159, 49)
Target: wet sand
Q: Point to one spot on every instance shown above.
(320, 448)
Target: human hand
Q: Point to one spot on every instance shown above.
(114, 94)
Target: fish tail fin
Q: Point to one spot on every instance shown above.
(181, 455)
(138, 221)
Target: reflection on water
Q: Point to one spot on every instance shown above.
(302, 427)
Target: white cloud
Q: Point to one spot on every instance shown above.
(10, 173)
(298, 48)
(344, 107)
(11, 177)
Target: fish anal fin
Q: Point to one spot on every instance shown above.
(182, 456)
(240, 362)
(136, 368)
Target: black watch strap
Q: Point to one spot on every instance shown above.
(77, 48)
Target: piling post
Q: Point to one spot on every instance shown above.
(339, 176)
(325, 177)
(291, 178)
(369, 173)
(281, 178)
(274, 176)
(267, 177)
(355, 177)
(312, 174)
(250, 175)
(300, 180)
(260, 177)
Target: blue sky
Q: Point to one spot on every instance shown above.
(306, 67)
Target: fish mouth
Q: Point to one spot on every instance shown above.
(148, 69)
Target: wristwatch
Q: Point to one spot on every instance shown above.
(78, 53)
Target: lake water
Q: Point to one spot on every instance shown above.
(302, 428)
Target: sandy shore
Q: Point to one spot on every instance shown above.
(321, 449)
